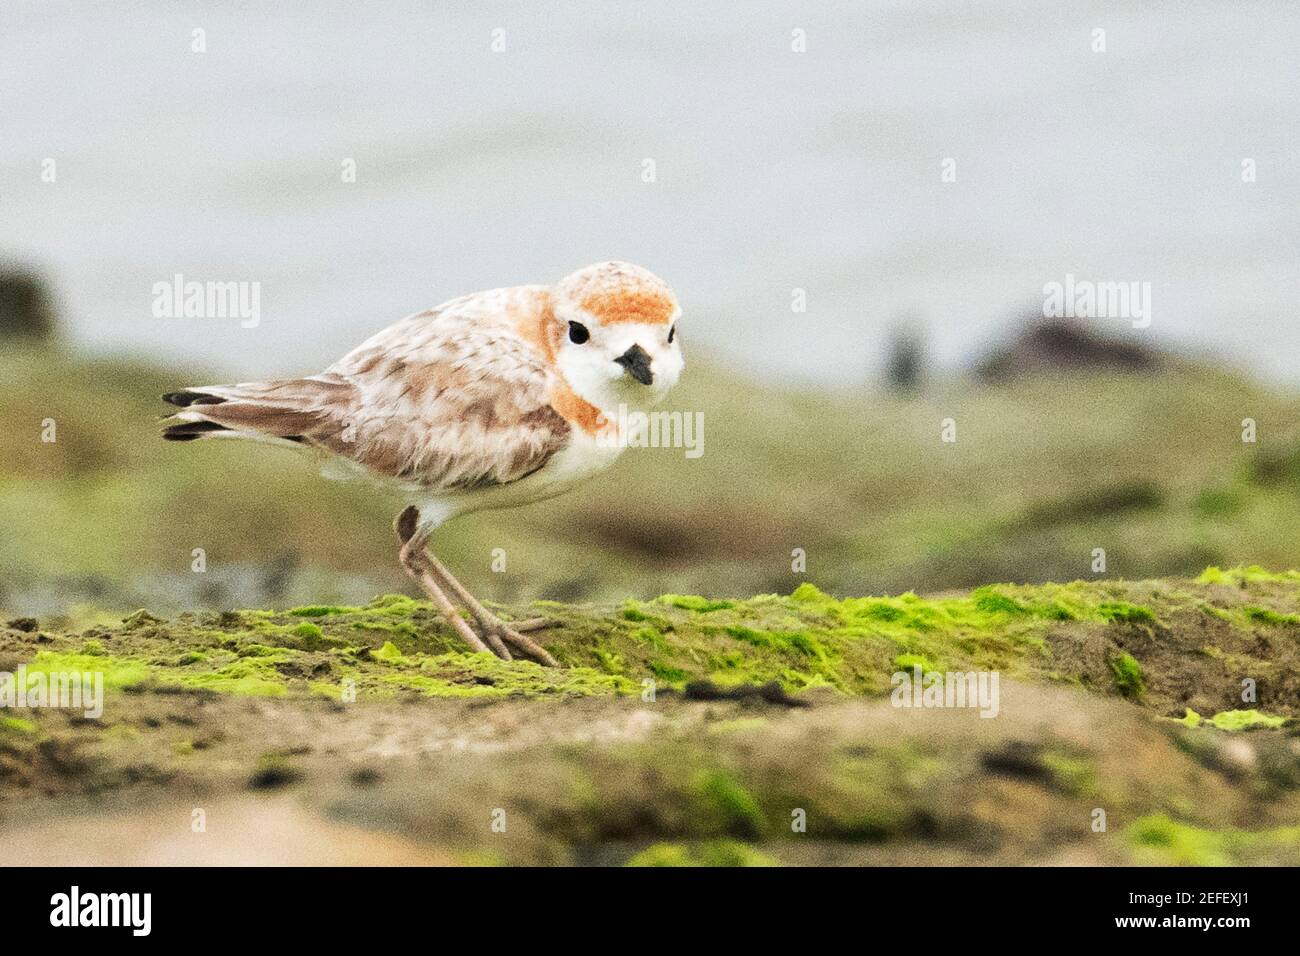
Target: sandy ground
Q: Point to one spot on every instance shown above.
(241, 831)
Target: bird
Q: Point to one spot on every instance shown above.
(492, 400)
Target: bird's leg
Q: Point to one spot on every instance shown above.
(490, 623)
(416, 562)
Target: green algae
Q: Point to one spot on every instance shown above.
(692, 602)
(481, 675)
(991, 601)
(1158, 838)
(394, 605)
(609, 661)
(139, 618)
(908, 662)
(249, 677)
(800, 641)
(1071, 774)
(18, 724)
(1233, 720)
(1128, 675)
(720, 853)
(635, 612)
(1125, 612)
(1216, 612)
(253, 649)
(1263, 615)
(389, 653)
(399, 628)
(119, 673)
(740, 784)
(808, 592)
(1252, 617)
(1253, 574)
(396, 644)
(1245, 720)
(726, 803)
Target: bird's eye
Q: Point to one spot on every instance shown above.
(671, 332)
(578, 333)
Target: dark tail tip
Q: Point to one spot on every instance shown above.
(185, 398)
(188, 431)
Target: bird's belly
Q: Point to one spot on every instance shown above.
(581, 459)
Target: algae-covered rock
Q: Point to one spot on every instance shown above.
(688, 730)
(1166, 646)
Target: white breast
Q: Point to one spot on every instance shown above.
(578, 461)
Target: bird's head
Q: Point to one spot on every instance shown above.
(615, 335)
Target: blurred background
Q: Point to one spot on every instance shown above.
(841, 298)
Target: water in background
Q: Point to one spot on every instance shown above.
(775, 170)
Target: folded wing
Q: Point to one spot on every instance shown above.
(430, 401)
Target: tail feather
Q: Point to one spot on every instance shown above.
(188, 431)
(290, 410)
(187, 397)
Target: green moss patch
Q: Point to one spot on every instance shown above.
(17, 725)
(1233, 720)
(706, 853)
(1088, 633)
(1159, 839)
(1241, 577)
(691, 602)
(1128, 675)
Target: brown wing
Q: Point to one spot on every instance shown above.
(450, 401)
(442, 399)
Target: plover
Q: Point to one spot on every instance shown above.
(491, 400)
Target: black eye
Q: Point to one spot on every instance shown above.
(578, 333)
(671, 332)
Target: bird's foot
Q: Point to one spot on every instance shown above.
(496, 645)
(496, 634)
(495, 630)
(531, 624)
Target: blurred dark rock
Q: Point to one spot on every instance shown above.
(275, 581)
(1061, 345)
(905, 363)
(26, 307)
(771, 693)
(1273, 467)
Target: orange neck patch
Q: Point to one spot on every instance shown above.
(541, 329)
(577, 411)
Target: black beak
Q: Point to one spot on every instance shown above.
(637, 362)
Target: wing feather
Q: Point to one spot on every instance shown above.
(451, 399)
(450, 403)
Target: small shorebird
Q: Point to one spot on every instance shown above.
(492, 400)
